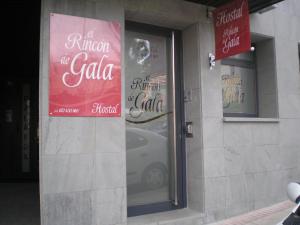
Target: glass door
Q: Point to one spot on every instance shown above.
(151, 121)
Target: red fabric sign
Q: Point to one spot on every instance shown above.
(85, 67)
(232, 29)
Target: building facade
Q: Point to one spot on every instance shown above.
(242, 146)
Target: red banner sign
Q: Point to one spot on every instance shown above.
(232, 29)
(85, 67)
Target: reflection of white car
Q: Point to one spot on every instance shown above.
(147, 158)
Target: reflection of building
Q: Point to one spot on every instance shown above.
(239, 159)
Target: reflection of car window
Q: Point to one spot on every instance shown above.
(134, 140)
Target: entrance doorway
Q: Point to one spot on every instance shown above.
(19, 152)
(154, 147)
(19, 119)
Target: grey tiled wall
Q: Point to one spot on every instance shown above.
(247, 165)
(231, 167)
(82, 160)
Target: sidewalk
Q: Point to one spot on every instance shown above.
(267, 216)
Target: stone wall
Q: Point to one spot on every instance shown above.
(82, 160)
(232, 166)
(248, 163)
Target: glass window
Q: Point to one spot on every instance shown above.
(239, 89)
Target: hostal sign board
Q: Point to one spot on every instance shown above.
(85, 71)
(232, 29)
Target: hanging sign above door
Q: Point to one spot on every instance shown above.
(85, 67)
(232, 29)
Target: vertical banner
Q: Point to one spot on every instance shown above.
(232, 29)
(85, 67)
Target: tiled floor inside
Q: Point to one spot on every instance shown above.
(19, 204)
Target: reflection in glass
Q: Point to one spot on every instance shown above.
(238, 89)
(140, 51)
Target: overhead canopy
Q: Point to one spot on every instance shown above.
(254, 5)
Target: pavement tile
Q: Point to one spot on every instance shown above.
(267, 216)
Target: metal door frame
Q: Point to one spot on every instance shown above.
(179, 200)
